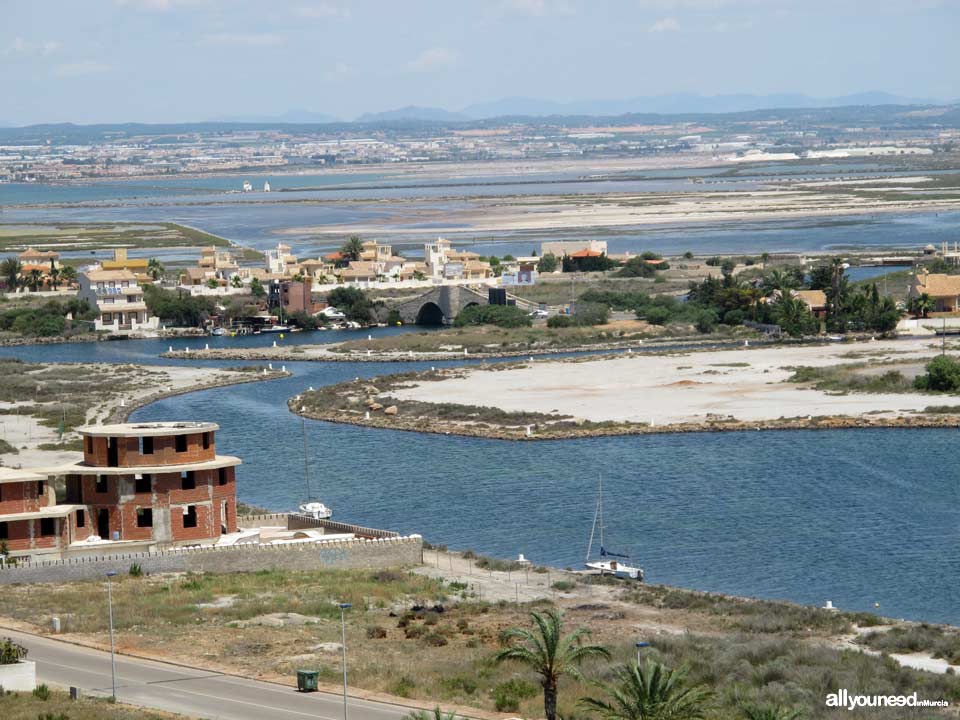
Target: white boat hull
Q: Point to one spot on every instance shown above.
(318, 511)
(615, 568)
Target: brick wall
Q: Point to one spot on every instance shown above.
(19, 497)
(382, 553)
(95, 450)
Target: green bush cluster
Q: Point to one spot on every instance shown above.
(943, 375)
(354, 303)
(505, 316)
(178, 308)
(587, 314)
(48, 320)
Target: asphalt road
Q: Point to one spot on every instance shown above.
(193, 692)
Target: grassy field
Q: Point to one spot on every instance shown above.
(432, 639)
(55, 705)
(103, 236)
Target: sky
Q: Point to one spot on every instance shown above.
(88, 61)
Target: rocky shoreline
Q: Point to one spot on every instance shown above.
(98, 337)
(546, 432)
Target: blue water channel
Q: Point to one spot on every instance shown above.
(855, 516)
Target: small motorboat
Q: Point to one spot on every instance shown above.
(217, 331)
(275, 328)
(316, 510)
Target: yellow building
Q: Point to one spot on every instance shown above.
(138, 266)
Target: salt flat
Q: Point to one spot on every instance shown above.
(746, 384)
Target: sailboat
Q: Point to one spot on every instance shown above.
(316, 510)
(609, 562)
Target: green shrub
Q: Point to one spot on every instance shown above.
(136, 570)
(943, 375)
(506, 316)
(560, 321)
(654, 315)
(11, 653)
(733, 317)
(375, 632)
(403, 687)
(507, 695)
(42, 692)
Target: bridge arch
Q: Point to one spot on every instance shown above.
(430, 314)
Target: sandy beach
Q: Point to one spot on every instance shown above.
(624, 210)
(744, 384)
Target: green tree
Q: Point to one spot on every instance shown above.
(549, 653)
(10, 269)
(35, 279)
(780, 280)
(548, 263)
(943, 375)
(256, 289)
(651, 692)
(921, 305)
(213, 284)
(793, 316)
(352, 249)
(154, 269)
(68, 274)
(236, 282)
(54, 276)
(507, 316)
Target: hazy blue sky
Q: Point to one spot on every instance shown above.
(172, 60)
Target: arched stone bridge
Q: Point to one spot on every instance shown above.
(443, 303)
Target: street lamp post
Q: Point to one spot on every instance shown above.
(343, 645)
(113, 662)
(641, 646)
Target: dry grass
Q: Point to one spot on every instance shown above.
(59, 706)
(431, 640)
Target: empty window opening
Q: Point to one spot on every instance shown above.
(180, 443)
(47, 527)
(144, 517)
(188, 481)
(143, 484)
(190, 517)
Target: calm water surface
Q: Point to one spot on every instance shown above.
(854, 516)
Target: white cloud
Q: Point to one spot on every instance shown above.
(79, 69)
(432, 59)
(667, 24)
(243, 39)
(323, 10)
(19, 46)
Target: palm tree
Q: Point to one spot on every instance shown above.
(154, 269)
(68, 274)
(352, 248)
(921, 305)
(236, 282)
(792, 315)
(779, 280)
(549, 653)
(10, 269)
(54, 276)
(437, 714)
(651, 692)
(35, 279)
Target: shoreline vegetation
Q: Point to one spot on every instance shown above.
(451, 615)
(63, 396)
(879, 382)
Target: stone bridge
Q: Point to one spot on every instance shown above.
(441, 304)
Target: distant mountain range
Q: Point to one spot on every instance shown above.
(675, 103)
(414, 112)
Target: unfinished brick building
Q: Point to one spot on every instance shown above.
(138, 484)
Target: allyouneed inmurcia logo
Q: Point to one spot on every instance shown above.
(843, 699)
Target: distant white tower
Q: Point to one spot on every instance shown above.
(266, 186)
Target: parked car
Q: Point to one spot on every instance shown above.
(540, 314)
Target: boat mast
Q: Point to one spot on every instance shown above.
(306, 466)
(600, 503)
(592, 529)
